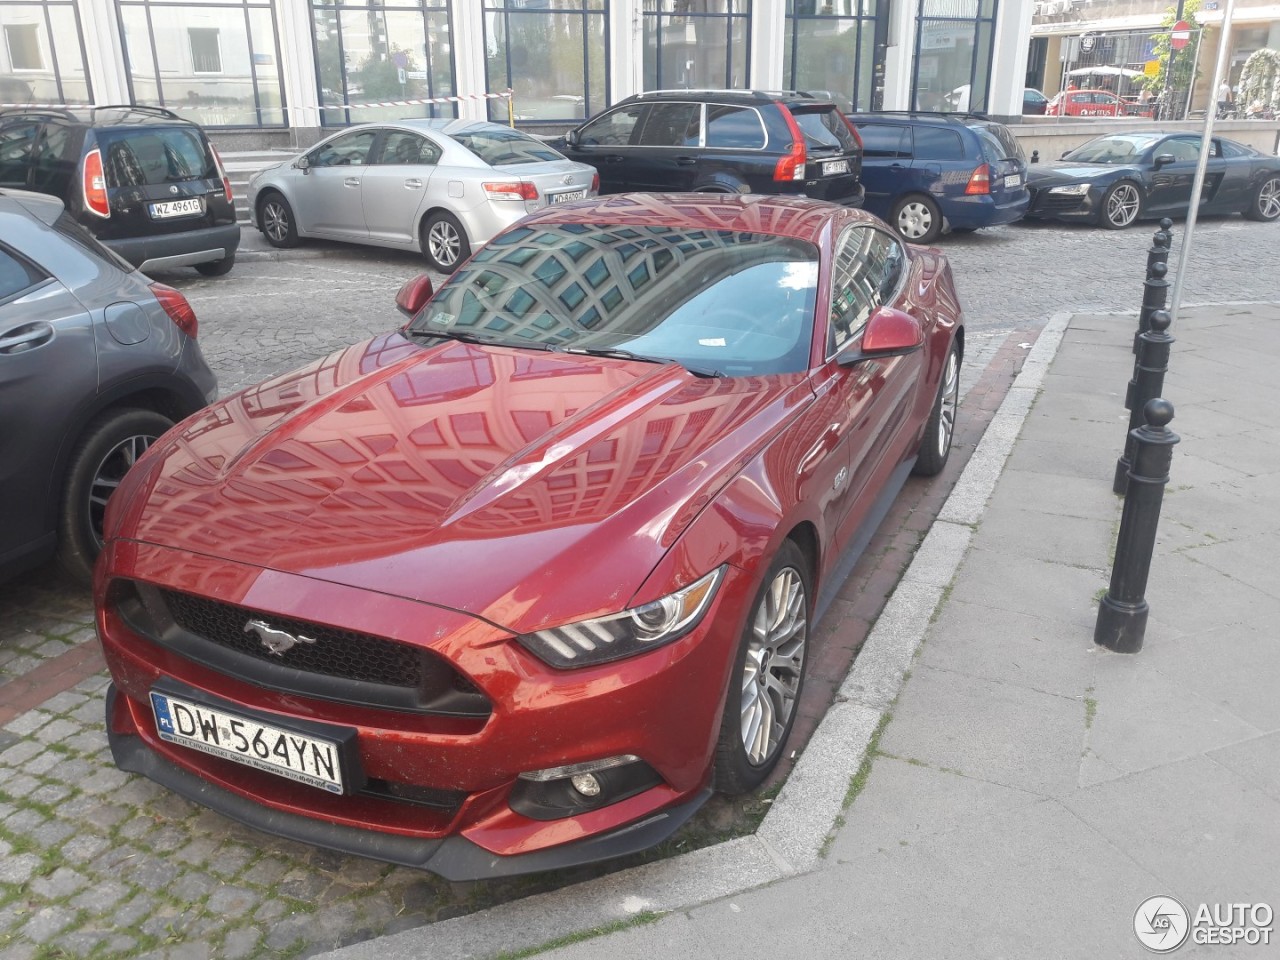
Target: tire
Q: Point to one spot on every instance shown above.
(109, 446)
(217, 268)
(444, 242)
(939, 430)
(1265, 205)
(276, 219)
(767, 676)
(917, 219)
(1120, 206)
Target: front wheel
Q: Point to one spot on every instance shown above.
(1120, 205)
(444, 242)
(275, 216)
(935, 448)
(767, 676)
(111, 444)
(1266, 201)
(917, 219)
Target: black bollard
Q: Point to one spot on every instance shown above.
(1122, 614)
(1149, 369)
(1155, 291)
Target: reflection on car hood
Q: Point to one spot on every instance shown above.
(475, 478)
(1066, 172)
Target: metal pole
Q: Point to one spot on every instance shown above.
(1167, 96)
(1206, 146)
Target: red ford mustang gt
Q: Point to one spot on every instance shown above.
(514, 587)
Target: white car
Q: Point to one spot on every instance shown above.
(442, 186)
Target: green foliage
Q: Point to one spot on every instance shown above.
(1185, 61)
(1260, 81)
(379, 79)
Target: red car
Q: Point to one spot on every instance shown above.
(1094, 103)
(513, 587)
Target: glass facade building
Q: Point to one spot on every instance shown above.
(42, 57)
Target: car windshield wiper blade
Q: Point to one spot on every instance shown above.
(619, 354)
(467, 336)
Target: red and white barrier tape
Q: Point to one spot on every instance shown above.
(504, 95)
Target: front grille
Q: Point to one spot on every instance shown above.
(335, 653)
(1042, 201)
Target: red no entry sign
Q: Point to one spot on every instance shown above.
(1180, 35)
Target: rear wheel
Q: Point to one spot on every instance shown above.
(277, 221)
(217, 268)
(767, 676)
(935, 448)
(444, 242)
(917, 219)
(110, 445)
(1266, 200)
(1120, 205)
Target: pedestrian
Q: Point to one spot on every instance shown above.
(1224, 97)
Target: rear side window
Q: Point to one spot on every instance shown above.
(138, 158)
(734, 127)
(501, 148)
(934, 143)
(672, 125)
(884, 140)
(824, 127)
(16, 274)
(17, 141)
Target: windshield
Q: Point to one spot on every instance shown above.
(824, 127)
(136, 158)
(1121, 148)
(726, 302)
(499, 148)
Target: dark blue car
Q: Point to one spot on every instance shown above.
(926, 173)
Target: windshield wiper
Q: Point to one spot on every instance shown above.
(467, 337)
(619, 354)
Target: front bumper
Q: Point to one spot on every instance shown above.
(663, 706)
(1070, 207)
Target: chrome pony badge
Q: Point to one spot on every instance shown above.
(276, 641)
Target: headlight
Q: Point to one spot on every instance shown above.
(628, 633)
(1071, 189)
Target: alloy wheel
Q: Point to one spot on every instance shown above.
(275, 220)
(1269, 199)
(1122, 205)
(947, 403)
(773, 665)
(444, 243)
(914, 220)
(107, 477)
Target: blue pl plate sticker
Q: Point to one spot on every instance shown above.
(164, 722)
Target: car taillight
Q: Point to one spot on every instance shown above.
(979, 181)
(511, 191)
(222, 172)
(95, 185)
(177, 307)
(791, 167)
(595, 183)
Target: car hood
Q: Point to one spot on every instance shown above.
(491, 481)
(1049, 174)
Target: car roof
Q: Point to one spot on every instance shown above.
(111, 115)
(43, 206)
(788, 97)
(796, 217)
(935, 117)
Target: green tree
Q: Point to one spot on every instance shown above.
(1184, 63)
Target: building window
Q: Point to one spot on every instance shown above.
(835, 49)
(206, 55)
(552, 52)
(373, 52)
(696, 43)
(953, 54)
(217, 63)
(42, 58)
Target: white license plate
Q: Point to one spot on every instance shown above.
(568, 196)
(832, 167)
(1013, 180)
(308, 760)
(177, 208)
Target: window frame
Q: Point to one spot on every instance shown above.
(36, 275)
(833, 350)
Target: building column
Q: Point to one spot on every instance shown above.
(768, 39)
(104, 51)
(625, 40)
(1009, 46)
(467, 41)
(298, 68)
(900, 57)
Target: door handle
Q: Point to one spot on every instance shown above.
(612, 158)
(351, 182)
(686, 161)
(413, 184)
(26, 337)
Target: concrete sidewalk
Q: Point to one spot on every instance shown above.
(1026, 791)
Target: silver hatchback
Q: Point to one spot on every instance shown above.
(442, 186)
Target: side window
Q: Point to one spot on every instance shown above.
(934, 143)
(672, 125)
(613, 129)
(1184, 149)
(16, 274)
(402, 147)
(352, 149)
(17, 142)
(738, 127)
(1225, 148)
(867, 269)
(53, 164)
(882, 140)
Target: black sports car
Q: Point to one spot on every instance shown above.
(1122, 177)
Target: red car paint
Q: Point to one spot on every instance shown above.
(449, 497)
(1094, 103)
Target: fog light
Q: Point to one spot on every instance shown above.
(586, 784)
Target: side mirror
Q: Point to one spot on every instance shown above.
(302, 163)
(1064, 154)
(414, 294)
(1164, 160)
(571, 138)
(891, 332)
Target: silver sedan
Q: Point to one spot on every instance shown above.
(442, 186)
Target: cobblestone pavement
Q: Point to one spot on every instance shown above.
(94, 863)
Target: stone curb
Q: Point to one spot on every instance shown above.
(793, 833)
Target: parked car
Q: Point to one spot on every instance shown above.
(512, 588)
(96, 362)
(1094, 103)
(1034, 103)
(722, 141)
(1117, 179)
(440, 186)
(925, 173)
(148, 184)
